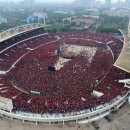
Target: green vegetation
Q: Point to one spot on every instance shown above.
(112, 24)
(56, 27)
(14, 19)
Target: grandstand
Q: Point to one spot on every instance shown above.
(61, 77)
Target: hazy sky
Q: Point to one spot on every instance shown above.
(56, 0)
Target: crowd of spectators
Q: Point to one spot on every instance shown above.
(68, 89)
(20, 37)
(11, 55)
(91, 39)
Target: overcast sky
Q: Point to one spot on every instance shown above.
(56, 0)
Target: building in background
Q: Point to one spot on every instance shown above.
(127, 3)
(120, 12)
(27, 4)
(108, 4)
(84, 3)
(3, 20)
(120, 4)
(38, 17)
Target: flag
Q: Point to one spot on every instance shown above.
(52, 54)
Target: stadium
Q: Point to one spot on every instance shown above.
(62, 77)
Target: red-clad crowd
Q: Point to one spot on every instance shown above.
(69, 88)
(11, 55)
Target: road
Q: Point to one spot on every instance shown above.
(96, 25)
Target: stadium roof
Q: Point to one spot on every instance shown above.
(123, 61)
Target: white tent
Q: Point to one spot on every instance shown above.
(6, 104)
